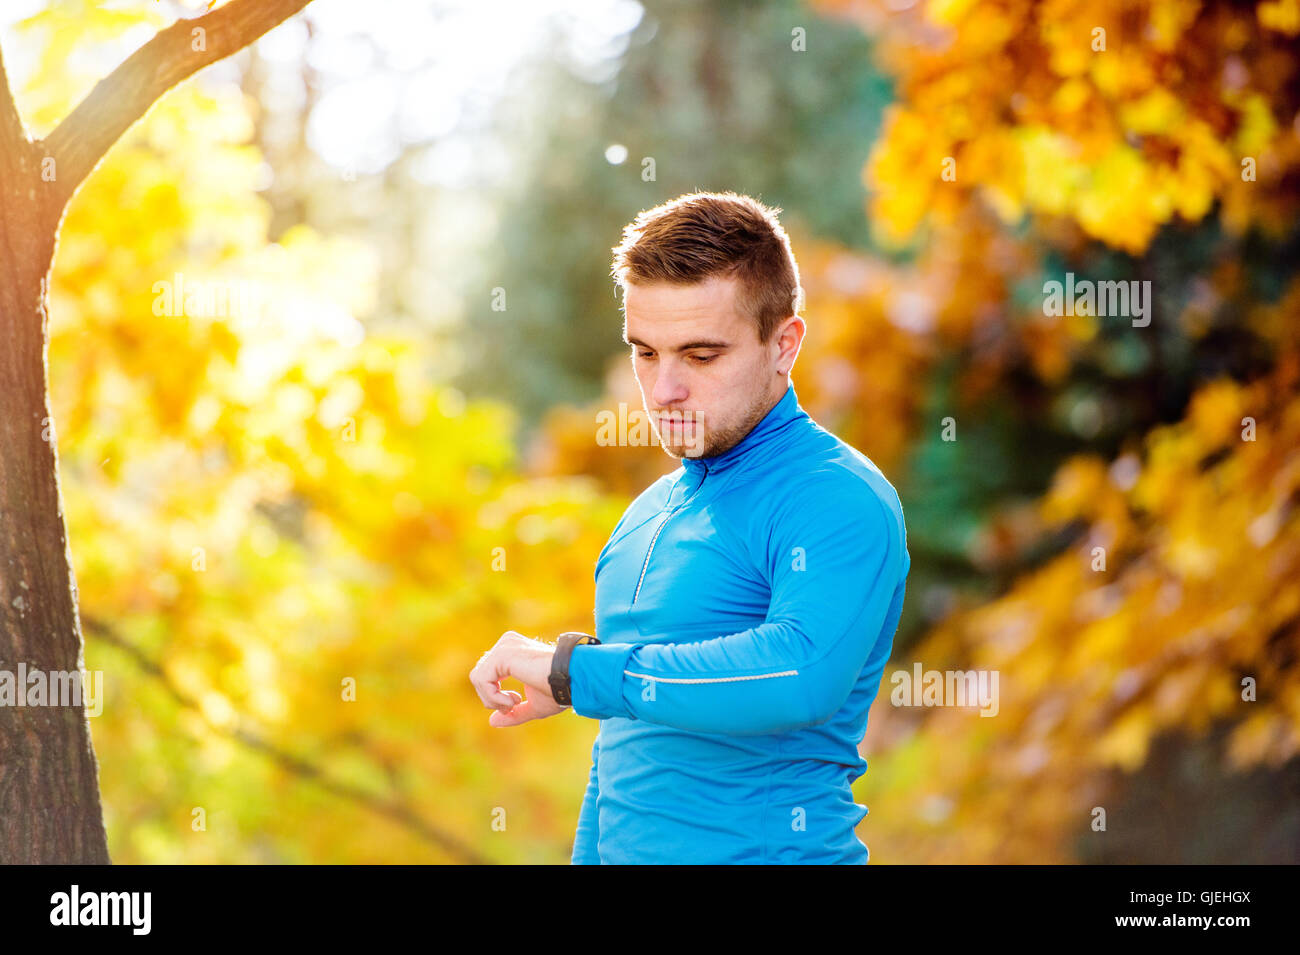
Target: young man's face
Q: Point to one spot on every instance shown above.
(705, 378)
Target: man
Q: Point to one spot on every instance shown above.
(746, 602)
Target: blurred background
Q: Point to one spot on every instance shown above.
(297, 521)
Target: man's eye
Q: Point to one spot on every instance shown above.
(704, 359)
(646, 354)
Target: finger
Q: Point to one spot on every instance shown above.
(483, 687)
(486, 680)
(521, 713)
(495, 698)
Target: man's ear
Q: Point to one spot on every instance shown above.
(788, 337)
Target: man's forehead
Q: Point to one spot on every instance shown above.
(680, 311)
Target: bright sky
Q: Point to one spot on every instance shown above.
(390, 73)
(398, 71)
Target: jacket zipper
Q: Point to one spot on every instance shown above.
(645, 565)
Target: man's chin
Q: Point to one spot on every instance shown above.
(679, 451)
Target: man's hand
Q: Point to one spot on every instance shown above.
(529, 662)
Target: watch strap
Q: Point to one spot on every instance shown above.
(559, 678)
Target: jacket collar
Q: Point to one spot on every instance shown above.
(782, 413)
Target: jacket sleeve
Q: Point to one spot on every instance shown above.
(588, 834)
(834, 562)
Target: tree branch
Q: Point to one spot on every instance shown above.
(390, 808)
(12, 134)
(126, 94)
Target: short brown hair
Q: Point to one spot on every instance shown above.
(703, 234)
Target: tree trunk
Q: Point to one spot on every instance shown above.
(49, 779)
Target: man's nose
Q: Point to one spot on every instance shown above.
(669, 386)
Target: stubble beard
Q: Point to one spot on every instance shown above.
(718, 443)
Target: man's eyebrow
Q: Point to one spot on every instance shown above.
(702, 343)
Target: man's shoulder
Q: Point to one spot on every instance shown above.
(824, 481)
(643, 507)
(657, 491)
(652, 499)
(827, 472)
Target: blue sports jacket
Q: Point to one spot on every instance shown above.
(746, 605)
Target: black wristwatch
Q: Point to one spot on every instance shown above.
(559, 678)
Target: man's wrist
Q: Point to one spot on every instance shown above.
(559, 678)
